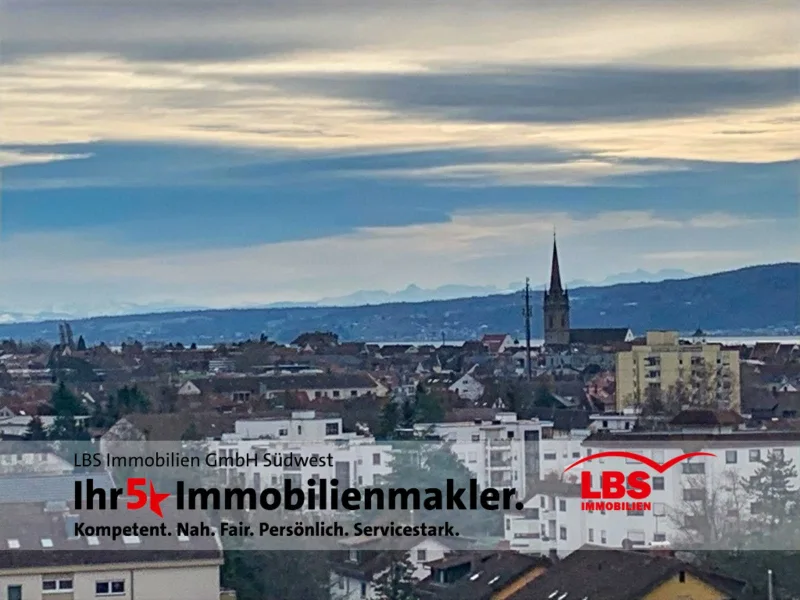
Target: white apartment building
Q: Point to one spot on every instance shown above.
(551, 521)
(504, 452)
(676, 498)
(318, 448)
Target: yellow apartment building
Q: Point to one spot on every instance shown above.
(664, 360)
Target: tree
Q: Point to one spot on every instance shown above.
(396, 582)
(428, 407)
(408, 413)
(711, 515)
(36, 431)
(65, 403)
(774, 499)
(68, 429)
(390, 419)
(81, 347)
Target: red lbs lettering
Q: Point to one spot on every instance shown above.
(615, 486)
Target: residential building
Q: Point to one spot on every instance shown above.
(335, 386)
(468, 387)
(502, 452)
(663, 361)
(480, 576)
(42, 559)
(678, 495)
(355, 574)
(551, 522)
(593, 574)
(497, 343)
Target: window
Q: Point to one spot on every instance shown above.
(731, 457)
(658, 483)
(682, 576)
(635, 513)
(331, 429)
(591, 535)
(658, 456)
(602, 536)
(422, 555)
(632, 461)
(549, 455)
(299, 430)
(14, 592)
(659, 537)
(659, 509)
(13, 544)
(109, 588)
(476, 437)
(562, 505)
(317, 394)
(576, 455)
(283, 432)
(543, 502)
(57, 585)
(47, 543)
(694, 468)
(694, 494)
(472, 457)
(755, 455)
(508, 524)
(376, 458)
(353, 393)
(562, 533)
(363, 590)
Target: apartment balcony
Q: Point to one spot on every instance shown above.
(498, 443)
(503, 464)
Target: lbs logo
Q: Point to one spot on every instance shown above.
(617, 489)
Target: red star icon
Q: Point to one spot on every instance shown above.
(155, 500)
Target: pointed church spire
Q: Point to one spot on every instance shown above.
(555, 270)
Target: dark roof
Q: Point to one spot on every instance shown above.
(47, 488)
(465, 415)
(171, 426)
(705, 417)
(489, 573)
(598, 336)
(563, 419)
(618, 440)
(317, 381)
(605, 574)
(29, 523)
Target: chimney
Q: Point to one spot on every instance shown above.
(70, 521)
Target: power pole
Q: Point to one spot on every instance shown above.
(770, 590)
(527, 314)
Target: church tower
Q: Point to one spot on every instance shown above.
(556, 306)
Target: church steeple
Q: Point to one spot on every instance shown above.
(555, 270)
(556, 306)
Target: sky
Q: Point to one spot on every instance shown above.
(204, 153)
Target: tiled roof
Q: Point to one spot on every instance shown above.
(604, 574)
(598, 336)
(489, 573)
(321, 382)
(703, 417)
(47, 488)
(30, 523)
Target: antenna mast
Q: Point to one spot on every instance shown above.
(527, 314)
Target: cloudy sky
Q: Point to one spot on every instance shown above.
(229, 153)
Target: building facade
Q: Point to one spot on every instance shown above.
(664, 362)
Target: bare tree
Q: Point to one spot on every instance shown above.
(711, 514)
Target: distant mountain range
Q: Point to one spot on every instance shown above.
(414, 293)
(761, 299)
